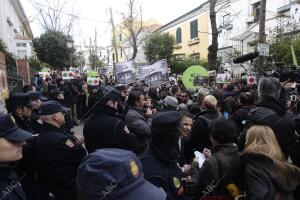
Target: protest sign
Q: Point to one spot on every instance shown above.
(67, 75)
(154, 74)
(93, 81)
(125, 72)
(194, 77)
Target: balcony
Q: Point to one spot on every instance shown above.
(283, 9)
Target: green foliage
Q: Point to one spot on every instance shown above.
(159, 46)
(51, 47)
(9, 57)
(179, 66)
(281, 50)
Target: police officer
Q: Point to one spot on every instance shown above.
(104, 129)
(35, 122)
(58, 153)
(20, 105)
(11, 141)
(160, 162)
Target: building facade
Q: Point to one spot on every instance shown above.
(191, 32)
(238, 26)
(15, 31)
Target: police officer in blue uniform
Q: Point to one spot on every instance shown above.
(20, 105)
(104, 129)
(160, 163)
(58, 154)
(11, 141)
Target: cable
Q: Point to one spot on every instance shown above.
(72, 15)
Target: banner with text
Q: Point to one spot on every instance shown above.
(125, 72)
(154, 74)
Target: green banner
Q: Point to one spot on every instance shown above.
(92, 74)
(195, 76)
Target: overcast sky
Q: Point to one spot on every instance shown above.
(94, 14)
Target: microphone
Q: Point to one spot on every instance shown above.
(246, 57)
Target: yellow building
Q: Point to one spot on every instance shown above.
(191, 33)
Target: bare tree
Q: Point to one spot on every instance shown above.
(54, 16)
(94, 59)
(133, 23)
(213, 48)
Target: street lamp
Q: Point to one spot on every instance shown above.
(70, 43)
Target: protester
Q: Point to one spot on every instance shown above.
(12, 140)
(200, 137)
(271, 112)
(114, 174)
(186, 122)
(136, 120)
(266, 173)
(221, 166)
(104, 129)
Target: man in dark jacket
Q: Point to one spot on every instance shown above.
(160, 161)
(270, 112)
(135, 118)
(104, 129)
(200, 137)
(58, 154)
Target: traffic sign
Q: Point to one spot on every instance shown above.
(263, 49)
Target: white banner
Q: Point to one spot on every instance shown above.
(67, 75)
(93, 81)
(125, 72)
(154, 74)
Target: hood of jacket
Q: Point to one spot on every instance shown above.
(286, 178)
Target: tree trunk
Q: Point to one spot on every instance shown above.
(262, 27)
(213, 48)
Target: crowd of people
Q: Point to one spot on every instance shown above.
(139, 142)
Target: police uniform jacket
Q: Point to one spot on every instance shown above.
(105, 130)
(10, 186)
(58, 157)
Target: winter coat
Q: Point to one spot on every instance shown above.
(270, 112)
(137, 124)
(263, 180)
(105, 130)
(10, 184)
(221, 169)
(200, 137)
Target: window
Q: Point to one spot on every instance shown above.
(195, 57)
(194, 29)
(226, 20)
(179, 57)
(178, 36)
(21, 44)
(22, 53)
(256, 11)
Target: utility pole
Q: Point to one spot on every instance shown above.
(262, 31)
(114, 35)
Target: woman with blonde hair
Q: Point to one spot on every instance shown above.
(267, 176)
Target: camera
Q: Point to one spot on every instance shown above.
(293, 98)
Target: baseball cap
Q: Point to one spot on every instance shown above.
(36, 95)
(52, 107)
(111, 173)
(20, 99)
(9, 130)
